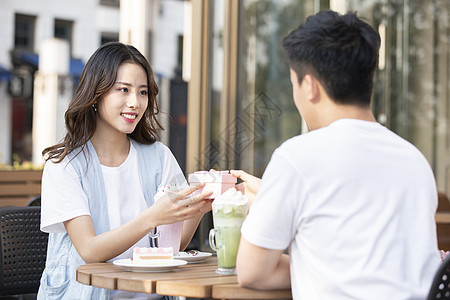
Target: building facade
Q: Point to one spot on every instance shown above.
(153, 26)
(25, 25)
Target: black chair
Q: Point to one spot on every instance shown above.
(23, 249)
(440, 288)
(35, 201)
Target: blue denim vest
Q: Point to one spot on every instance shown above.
(58, 280)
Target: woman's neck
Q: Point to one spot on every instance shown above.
(112, 151)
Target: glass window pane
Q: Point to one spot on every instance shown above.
(266, 108)
(411, 92)
(63, 30)
(214, 155)
(24, 32)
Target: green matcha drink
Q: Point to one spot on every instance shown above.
(229, 211)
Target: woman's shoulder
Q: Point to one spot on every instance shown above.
(54, 163)
(61, 169)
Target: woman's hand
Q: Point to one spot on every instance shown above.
(169, 209)
(181, 205)
(249, 186)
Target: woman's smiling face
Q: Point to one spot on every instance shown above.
(123, 106)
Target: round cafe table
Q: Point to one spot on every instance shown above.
(197, 280)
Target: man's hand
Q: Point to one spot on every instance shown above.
(249, 186)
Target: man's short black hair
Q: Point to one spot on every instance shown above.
(341, 51)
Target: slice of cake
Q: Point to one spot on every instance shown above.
(152, 255)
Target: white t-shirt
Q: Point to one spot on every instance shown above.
(355, 205)
(63, 197)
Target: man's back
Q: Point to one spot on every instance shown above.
(356, 204)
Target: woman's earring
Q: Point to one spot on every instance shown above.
(94, 106)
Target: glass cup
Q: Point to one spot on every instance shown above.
(225, 236)
(170, 236)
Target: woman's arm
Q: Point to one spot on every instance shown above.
(189, 226)
(169, 209)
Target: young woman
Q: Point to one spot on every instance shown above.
(99, 182)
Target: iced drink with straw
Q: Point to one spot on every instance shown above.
(229, 211)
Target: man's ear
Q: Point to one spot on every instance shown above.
(311, 88)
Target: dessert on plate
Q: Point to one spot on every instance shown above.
(152, 255)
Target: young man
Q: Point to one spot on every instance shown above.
(353, 202)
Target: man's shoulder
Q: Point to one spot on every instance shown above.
(305, 141)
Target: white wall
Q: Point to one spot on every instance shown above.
(107, 20)
(6, 44)
(168, 27)
(6, 36)
(5, 125)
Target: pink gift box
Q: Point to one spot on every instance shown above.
(216, 181)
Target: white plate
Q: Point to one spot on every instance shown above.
(130, 266)
(201, 256)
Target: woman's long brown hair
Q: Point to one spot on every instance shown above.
(97, 78)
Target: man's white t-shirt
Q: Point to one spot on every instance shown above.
(355, 205)
(63, 197)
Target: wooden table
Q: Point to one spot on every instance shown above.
(191, 280)
(442, 217)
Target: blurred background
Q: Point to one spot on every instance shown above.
(225, 94)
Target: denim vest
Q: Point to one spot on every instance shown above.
(58, 280)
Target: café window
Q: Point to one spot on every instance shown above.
(63, 30)
(110, 2)
(411, 91)
(249, 102)
(107, 37)
(24, 26)
(265, 108)
(241, 99)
